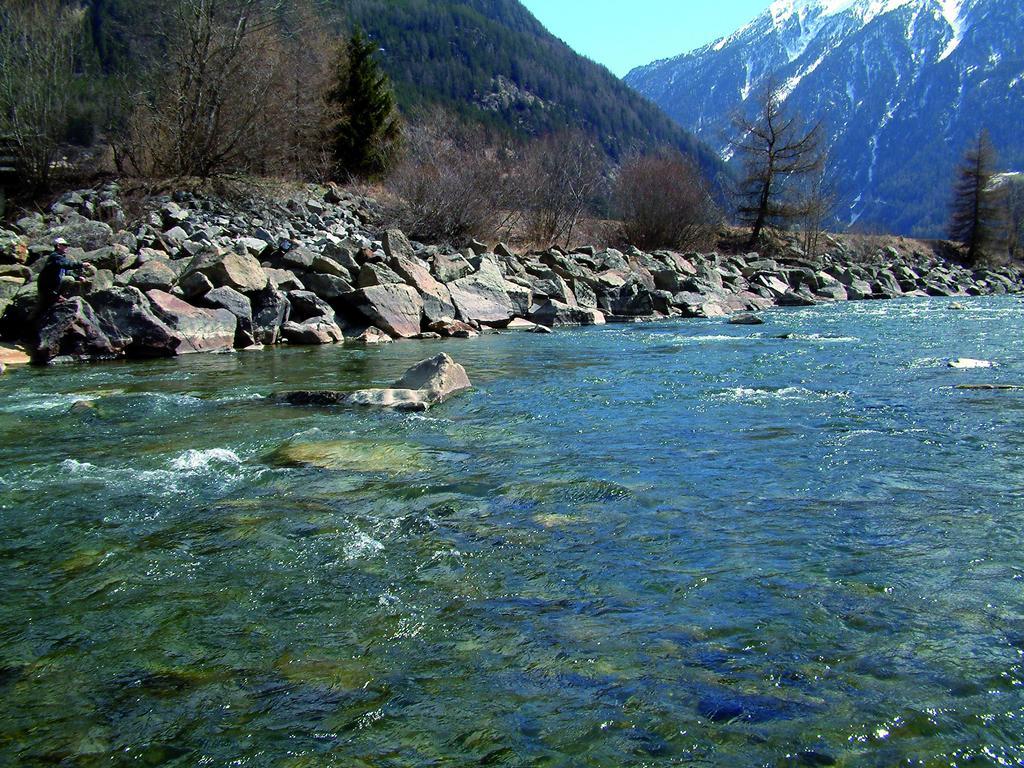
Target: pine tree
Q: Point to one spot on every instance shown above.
(978, 215)
(364, 129)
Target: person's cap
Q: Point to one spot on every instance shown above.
(60, 241)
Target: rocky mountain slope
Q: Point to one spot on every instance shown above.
(197, 273)
(900, 86)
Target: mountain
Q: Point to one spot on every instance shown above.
(900, 87)
(492, 61)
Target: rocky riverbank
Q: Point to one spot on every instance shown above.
(196, 273)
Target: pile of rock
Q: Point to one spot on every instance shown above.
(200, 274)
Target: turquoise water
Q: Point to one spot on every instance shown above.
(678, 544)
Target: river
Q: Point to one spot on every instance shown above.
(683, 543)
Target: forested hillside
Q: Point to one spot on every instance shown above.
(487, 61)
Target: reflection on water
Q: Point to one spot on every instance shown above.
(672, 544)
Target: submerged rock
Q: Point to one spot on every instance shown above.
(350, 455)
(745, 318)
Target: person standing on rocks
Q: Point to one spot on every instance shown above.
(58, 265)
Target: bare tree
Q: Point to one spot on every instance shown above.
(39, 44)
(664, 202)
(452, 182)
(776, 148)
(816, 204)
(562, 175)
(978, 214)
(223, 98)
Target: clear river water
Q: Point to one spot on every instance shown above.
(673, 544)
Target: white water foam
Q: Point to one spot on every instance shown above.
(762, 394)
(199, 461)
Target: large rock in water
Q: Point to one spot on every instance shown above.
(396, 309)
(235, 270)
(427, 383)
(482, 296)
(128, 321)
(71, 329)
(201, 330)
(238, 305)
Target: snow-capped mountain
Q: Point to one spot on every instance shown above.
(900, 87)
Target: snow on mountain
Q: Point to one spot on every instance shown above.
(900, 87)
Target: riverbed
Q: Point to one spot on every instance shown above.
(680, 543)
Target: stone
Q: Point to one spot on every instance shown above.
(14, 354)
(236, 270)
(270, 311)
(70, 329)
(427, 383)
(239, 305)
(306, 305)
(126, 317)
(195, 285)
(325, 265)
(372, 336)
(395, 309)
(377, 274)
(481, 297)
(284, 280)
(554, 313)
(447, 269)
(328, 287)
(80, 232)
(397, 245)
(153, 274)
(745, 318)
(437, 299)
(313, 332)
(200, 330)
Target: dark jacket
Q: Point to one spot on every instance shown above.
(56, 267)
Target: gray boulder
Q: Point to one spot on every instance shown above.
(235, 270)
(70, 329)
(153, 274)
(481, 297)
(126, 317)
(200, 330)
(270, 311)
(240, 306)
(314, 331)
(395, 309)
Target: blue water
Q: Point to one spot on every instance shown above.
(674, 544)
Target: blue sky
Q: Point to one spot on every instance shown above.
(622, 34)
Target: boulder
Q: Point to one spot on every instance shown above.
(200, 330)
(284, 280)
(306, 305)
(80, 232)
(70, 329)
(397, 245)
(372, 274)
(126, 317)
(555, 313)
(12, 354)
(395, 309)
(240, 306)
(153, 275)
(481, 297)
(427, 383)
(325, 265)
(437, 299)
(313, 332)
(745, 318)
(372, 336)
(235, 270)
(270, 311)
(448, 269)
(328, 287)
